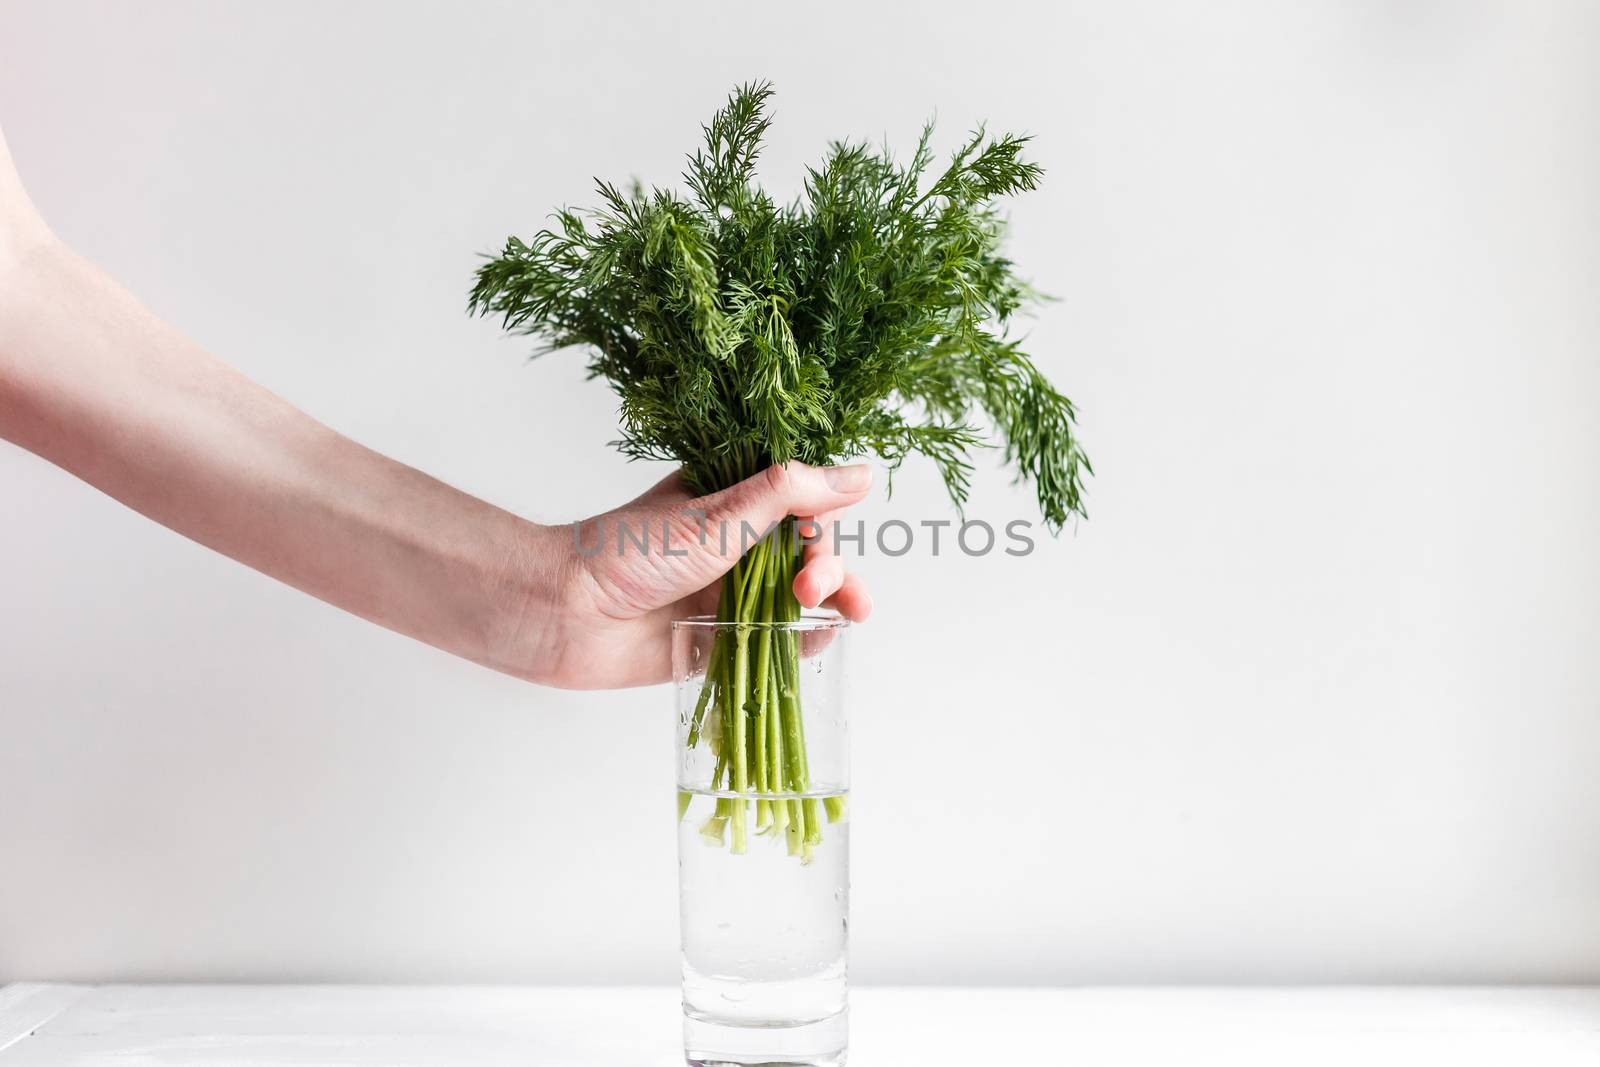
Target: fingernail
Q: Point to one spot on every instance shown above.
(851, 479)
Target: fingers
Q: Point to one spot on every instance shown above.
(818, 532)
(826, 582)
(823, 579)
(851, 600)
(821, 572)
(700, 539)
(818, 580)
(790, 489)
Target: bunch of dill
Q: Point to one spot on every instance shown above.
(867, 316)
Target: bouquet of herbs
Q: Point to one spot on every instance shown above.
(868, 316)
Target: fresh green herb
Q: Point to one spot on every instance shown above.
(869, 316)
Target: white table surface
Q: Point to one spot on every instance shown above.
(153, 1026)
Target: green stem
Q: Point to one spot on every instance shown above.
(752, 690)
(737, 742)
(764, 782)
(713, 663)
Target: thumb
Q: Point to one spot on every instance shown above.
(789, 489)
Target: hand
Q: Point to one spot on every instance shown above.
(608, 623)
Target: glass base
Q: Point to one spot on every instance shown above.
(815, 1044)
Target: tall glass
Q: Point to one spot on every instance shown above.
(763, 873)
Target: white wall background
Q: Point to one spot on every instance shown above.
(1314, 696)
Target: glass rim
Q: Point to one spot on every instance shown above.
(808, 622)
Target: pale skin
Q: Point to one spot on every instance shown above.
(95, 383)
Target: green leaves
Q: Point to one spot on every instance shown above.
(720, 174)
(980, 171)
(867, 317)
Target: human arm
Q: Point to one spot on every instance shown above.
(94, 382)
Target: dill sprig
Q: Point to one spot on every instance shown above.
(868, 316)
